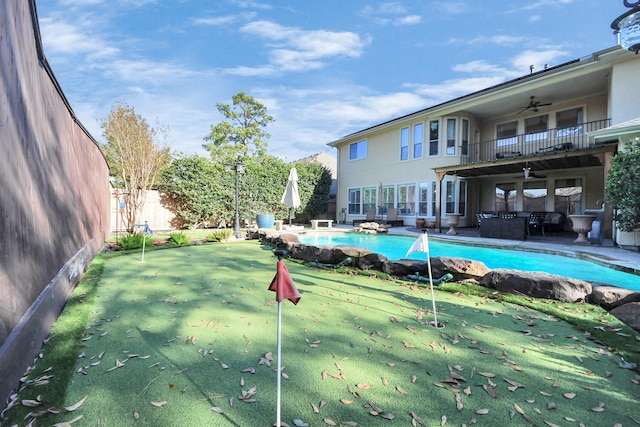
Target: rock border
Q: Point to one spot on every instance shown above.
(622, 303)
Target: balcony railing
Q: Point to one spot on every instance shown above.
(532, 144)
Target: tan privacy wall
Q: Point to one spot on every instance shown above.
(54, 194)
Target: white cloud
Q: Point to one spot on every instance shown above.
(294, 49)
(386, 13)
(409, 20)
(70, 39)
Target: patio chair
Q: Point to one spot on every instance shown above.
(371, 217)
(553, 221)
(536, 219)
(392, 218)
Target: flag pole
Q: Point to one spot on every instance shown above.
(279, 380)
(433, 296)
(279, 254)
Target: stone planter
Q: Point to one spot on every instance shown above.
(420, 222)
(452, 221)
(628, 239)
(582, 224)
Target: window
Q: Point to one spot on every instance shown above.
(418, 135)
(358, 150)
(369, 198)
(569, 122)
(464, 149)
(406, 199)
(423, 198)
(451, 136)
(433, 198)
(507, 133)
(404, 144)
(535, 128)
(534, 196)
(568, 196)
(450, 197)
(462, 197)
(354, 201)
(389, 199)
(506, 197)
(434, 137)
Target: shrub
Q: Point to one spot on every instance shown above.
(178, 238)
(134, 241)
(219, 235)
(622, 187)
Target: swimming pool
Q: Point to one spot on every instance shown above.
(395, 247)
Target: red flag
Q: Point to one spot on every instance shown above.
(283, 285)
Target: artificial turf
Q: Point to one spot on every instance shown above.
(188, 338)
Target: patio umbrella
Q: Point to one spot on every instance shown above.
(291, 196)
(380, 198)
(283, 286)
(422, 245)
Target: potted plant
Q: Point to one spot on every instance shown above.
(623, 193)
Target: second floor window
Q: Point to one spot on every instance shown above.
(404, 144)
(569, 122)
(451, 136)
(507, 133)
(535, 128)
(418, 135)
(434, 137)
(358, 150)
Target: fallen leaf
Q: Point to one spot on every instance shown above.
(569, 395)
(216, 409)
(482, 411)
(76, 405)
(330, 422)
(159, 404)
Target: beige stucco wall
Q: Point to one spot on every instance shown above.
(625, 90)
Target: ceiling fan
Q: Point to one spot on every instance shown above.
(533, 105)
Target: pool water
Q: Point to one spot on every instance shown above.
(395, 247)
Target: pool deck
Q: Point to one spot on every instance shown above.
(560, 243)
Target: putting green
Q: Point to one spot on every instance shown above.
(188, 338)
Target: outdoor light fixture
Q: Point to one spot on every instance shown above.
(238, 167)
(627, 26)
(526, 171)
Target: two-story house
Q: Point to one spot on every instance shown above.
(541, 142)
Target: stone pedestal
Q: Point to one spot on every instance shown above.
(582, 224)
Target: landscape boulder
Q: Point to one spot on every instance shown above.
(372, 261)
(628, 314)
(405, 267)
(326, 254)
(610, 297)
(537, 285)
(461, 268)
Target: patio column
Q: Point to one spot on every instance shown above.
(440, 176)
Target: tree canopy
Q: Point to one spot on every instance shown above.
(136, 154)
(243, 132)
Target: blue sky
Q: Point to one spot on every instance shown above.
(323, 68)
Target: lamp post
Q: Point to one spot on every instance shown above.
(627, 26)
(238, 167)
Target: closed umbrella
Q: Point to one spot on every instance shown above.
(380, 201)
(291, 196)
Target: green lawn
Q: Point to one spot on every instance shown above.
(161, 343)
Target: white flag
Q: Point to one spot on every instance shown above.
(420, 245)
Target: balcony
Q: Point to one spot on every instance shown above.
(533, 144)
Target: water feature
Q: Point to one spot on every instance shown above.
(395, 247)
